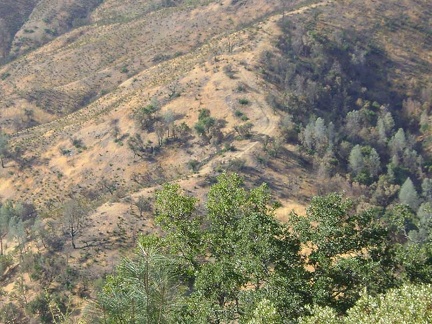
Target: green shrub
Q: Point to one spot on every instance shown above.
(238, 113)
(5, 262)
(243, 101)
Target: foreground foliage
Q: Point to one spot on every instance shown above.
(230, 260)
(408, 304)
(144, 289)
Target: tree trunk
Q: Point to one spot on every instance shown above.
(73, 241)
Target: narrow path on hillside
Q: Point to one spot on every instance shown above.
(268, 126)
(166, 71)
(268, 114)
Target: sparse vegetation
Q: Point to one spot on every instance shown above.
(110, 108)
(193, 165)
(243, 101)
(4, 76)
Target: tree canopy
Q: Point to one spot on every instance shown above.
(228, 259)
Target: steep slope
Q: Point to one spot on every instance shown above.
(196, 76)
(13, 14)
(82, 65)
(138, 93)
(50, 19)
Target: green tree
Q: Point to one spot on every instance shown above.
(250, 249)
(423, 233)
(382, 133)
(145, 288)
(145, 117)
(356, 160)
(230, 260)
(320, 135)
(399, 219)
(205, 122)
(389, 123)
(288, 128)
(415, 261)
(374, 163)
(408, 304)
(427, 189)
(398, 143)
(307, 136)
(244, 130)
(353, 124)
(348, 251)
(265, 313)
(235, 254)
(18, 232)
(176, 214)
(424, 122)
(408, 194)
(169, 118)
(160, 129)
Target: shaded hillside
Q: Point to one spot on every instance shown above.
(357, 101)
(27, 24)
(13, 14)
(50, 19)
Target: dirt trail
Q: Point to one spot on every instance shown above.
(269, 115)
(268, 127)
(265, 124)
(154, 76)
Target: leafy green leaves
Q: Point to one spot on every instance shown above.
(176, 214)
(408, 304)
(231, 260)
(233, 251)
(348, 250)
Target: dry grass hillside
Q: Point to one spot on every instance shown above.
(84, 70)
(203, 61)
(116, 44)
